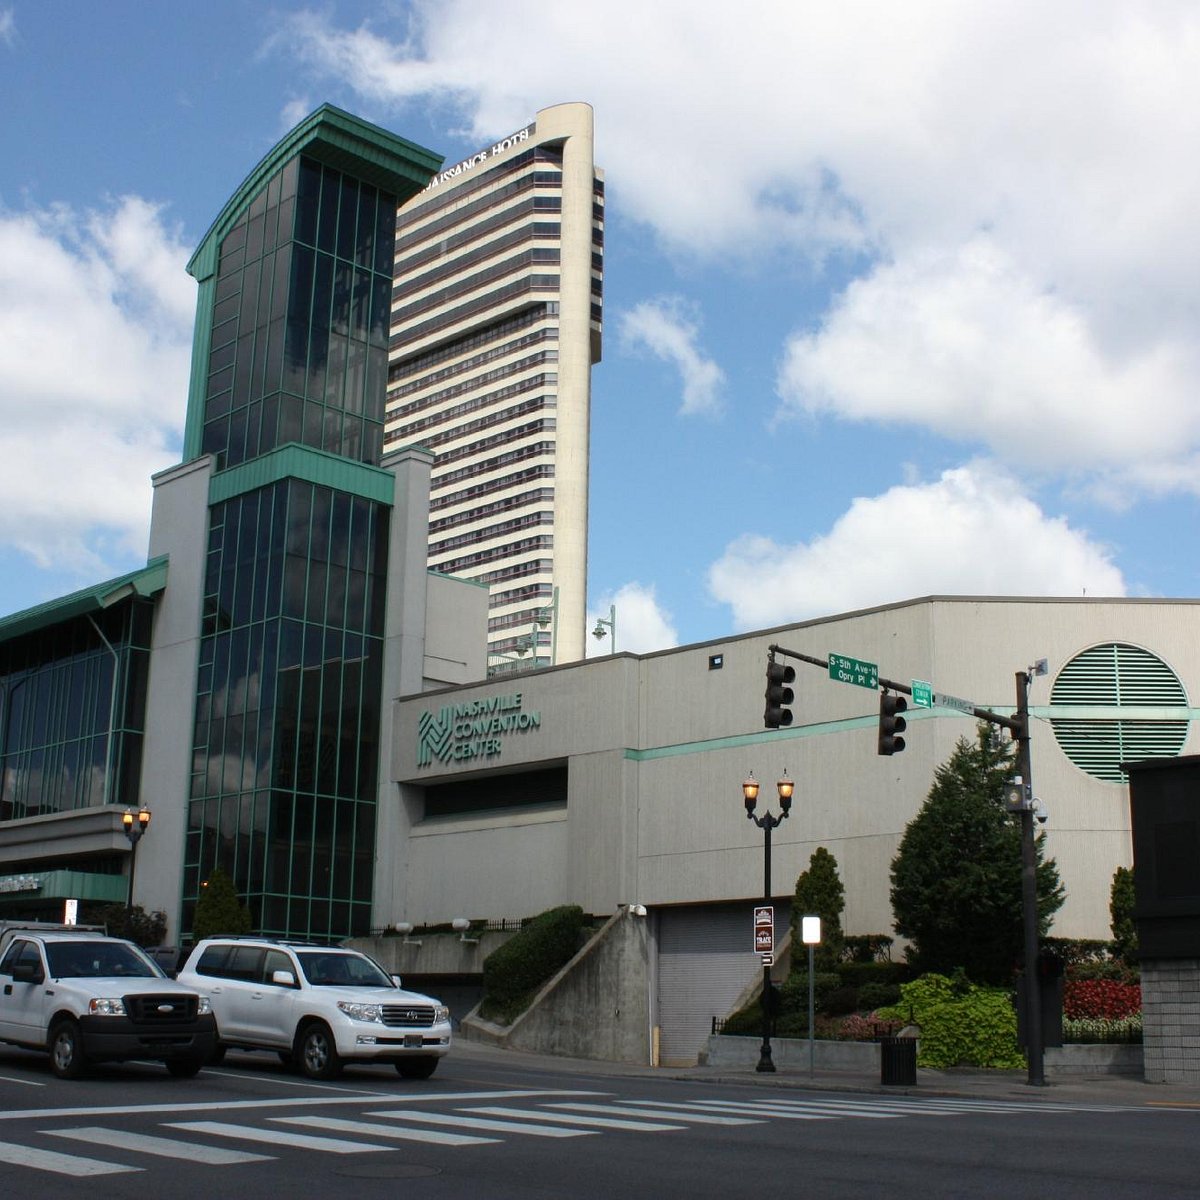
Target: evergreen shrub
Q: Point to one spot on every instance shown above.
(513, 972)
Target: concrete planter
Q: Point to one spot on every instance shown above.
(741, 1053)
(791, 1053)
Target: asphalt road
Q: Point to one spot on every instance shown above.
(498, 1127)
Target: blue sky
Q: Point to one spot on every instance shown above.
(900, 299)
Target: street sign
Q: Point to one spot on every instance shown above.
(922, 693)
(853, 670)
(768, 960)
(942, 700)
(764, 929)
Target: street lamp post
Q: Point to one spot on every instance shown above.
(767, 822)
(134, 824)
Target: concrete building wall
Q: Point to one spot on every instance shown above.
(657, 747)
(178, 529)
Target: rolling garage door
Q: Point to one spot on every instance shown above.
(705, 961)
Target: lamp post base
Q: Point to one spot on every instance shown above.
(765, 1061)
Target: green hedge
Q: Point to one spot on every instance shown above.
(513, 972)
(961, 1024)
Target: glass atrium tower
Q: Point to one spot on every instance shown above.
(287, 407)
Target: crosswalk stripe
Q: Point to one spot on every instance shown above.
(277, 1137)
(789, 1108)
(739, 1108)
(461, 1122)
(652, 1108)
(399, 1133)
(61, 1164)
(123, 1139)
(600, 1122)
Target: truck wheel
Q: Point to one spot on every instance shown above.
(66, 1052)
(185, 1068)
(316, 1052)
(417, 1068)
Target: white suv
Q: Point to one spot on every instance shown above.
(318, 1007)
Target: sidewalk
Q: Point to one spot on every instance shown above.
(965, 1083)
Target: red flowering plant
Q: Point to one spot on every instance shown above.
(1101, 999)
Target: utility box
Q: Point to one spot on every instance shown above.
(1164, 799)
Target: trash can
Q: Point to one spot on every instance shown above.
(898, 1061)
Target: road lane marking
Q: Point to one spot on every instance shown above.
(539, 1114)
(124, 1139)
(399, 1133)
(664, 1110)
(483, 1123)
(61, 1164)
(278, 1137)
(206, 1106)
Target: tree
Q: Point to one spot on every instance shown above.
(956, 879)
(138, 925)
(819, 892)
(218, 911)
(1120, 909)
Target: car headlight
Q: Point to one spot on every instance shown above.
(205, 1006)
(440, 1013)
(107, 1006)
(361, 1012)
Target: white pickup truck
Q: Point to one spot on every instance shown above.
(86, 998)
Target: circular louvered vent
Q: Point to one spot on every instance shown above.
(1113, 677)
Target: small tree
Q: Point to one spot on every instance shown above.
(1120, 909)
(218, 911)
(819, 892)
(956, 879)
(136, 924)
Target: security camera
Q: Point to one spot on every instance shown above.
(1041, 812)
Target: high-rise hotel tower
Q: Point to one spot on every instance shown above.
(496, 321)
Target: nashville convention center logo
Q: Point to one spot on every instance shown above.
(465, 732)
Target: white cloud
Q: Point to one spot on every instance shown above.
(96, 313)
(967, 345)
(664, 328)
(1019, 158)
(642, 625)
(294, 111)
(971, 532)
(8, 26)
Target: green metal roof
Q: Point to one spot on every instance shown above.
(343, 141)
(146, 581)
(294, 461)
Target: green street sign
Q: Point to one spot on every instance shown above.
(922, 693)
(853, 670)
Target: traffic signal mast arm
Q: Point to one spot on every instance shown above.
(1016, 724)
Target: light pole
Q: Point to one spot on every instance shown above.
(766, 823)
(608, 626)
(134, 824)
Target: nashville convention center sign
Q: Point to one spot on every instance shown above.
(475, 730)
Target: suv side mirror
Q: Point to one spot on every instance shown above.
(283, 978)
(27, 972)
(396, 981)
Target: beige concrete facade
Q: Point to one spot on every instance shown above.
(655, 749)
(496, 323)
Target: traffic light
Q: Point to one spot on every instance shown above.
(891, 723)
(779, 695)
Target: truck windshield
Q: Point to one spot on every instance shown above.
(98, 960)
(342, 970)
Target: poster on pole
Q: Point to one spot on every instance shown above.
(764, 929)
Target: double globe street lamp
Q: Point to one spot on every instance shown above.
(767, 822)
(134, 824)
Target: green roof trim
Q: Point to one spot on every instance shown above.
(343, 141)
(64, 885)
(146, 581)
(294, 461)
